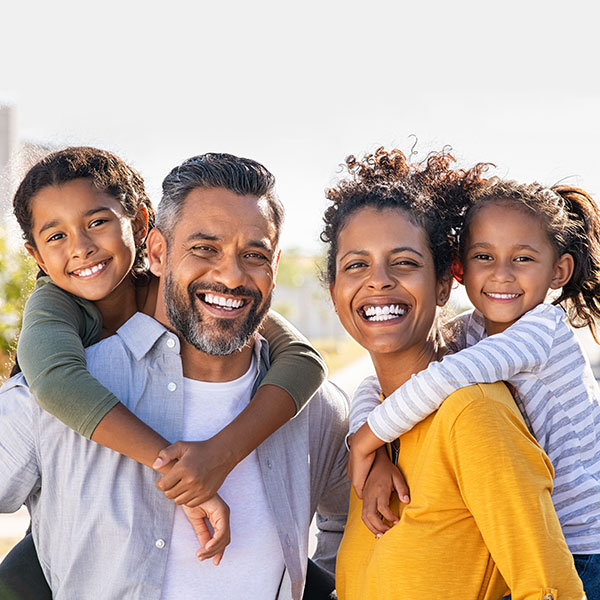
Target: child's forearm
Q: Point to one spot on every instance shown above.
(270, 408)
(121, 431)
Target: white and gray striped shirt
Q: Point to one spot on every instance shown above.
(555, 390)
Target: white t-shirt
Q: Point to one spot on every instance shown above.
(252, 565)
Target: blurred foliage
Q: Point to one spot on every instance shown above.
(296, 268)
(17, 276)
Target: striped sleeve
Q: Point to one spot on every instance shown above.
(523, 347)
(366, 398)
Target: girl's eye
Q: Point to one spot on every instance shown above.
(482, 256)
(97, 222)
(523, 259)
(56, 236)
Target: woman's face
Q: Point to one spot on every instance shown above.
(386, 291)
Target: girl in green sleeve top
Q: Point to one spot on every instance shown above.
(85, 216)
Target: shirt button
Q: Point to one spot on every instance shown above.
(172, 386)
(269, 463)
(160, 544)
(171, 343)
(288, 542)
(548, 596)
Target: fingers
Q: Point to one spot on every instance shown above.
(401, 487)
(166, 455)
(219, 519)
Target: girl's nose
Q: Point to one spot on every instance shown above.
(503, 271)
(82, 245)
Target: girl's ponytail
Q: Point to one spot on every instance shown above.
(581, 295)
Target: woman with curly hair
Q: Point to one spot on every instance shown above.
(480, 521)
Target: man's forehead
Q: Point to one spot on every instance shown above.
(220, 214)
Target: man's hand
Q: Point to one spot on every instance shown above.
(363, 445)
(217, 513)
(197, 474)
(384, 478)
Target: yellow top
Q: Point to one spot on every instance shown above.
(480, 514)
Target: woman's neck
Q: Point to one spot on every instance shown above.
(396, 368)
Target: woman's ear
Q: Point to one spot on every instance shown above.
(36, 256)
(331, 287)
(443, 289)
(157, 252)
(140, 225)
(563, 270)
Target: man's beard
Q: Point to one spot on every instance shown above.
(222, 336)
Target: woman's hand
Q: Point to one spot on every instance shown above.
(383, 480)
(217, 513)
(197, 473)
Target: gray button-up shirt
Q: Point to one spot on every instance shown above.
(102, 529)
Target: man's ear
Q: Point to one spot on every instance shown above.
(36, 256)
(563, 270)
(276, 266)
(140, 225)
(157, 252)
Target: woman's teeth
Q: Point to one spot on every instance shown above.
(384, 313)
(221, 302)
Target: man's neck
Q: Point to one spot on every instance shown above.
(206, 367)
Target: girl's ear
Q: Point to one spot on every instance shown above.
(36, 255)
(140, 225)
(457, 270)
(157, 252)
(563, 270)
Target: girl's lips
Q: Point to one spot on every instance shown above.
(90, 270)
(502, 297)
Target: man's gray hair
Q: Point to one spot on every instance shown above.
(240, 175)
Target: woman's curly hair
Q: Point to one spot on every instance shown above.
(108, 172)
(431, 193)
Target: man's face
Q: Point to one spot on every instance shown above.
(220, 269)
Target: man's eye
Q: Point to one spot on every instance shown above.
(205, 249)
(256, 256)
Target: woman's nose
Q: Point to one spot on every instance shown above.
(380, 278)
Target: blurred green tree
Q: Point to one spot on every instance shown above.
(17, 276)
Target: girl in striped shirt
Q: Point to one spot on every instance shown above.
(517, 243)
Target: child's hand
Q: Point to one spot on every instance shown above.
(197, 474)
(217, 513)
(382, 481)
(363, 445)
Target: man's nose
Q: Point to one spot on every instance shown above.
(229, 272)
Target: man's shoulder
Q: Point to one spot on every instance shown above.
(330, 397)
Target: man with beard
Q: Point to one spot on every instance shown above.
(187, 373)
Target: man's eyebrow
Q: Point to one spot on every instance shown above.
(210, 237)
(55, 222)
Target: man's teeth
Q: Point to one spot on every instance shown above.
(384, 313)
(90, 270)
(502, 296)
(220, 301)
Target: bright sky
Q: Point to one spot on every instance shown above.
(298, 86)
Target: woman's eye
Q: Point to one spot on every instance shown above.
(404, 262)
(354, 265)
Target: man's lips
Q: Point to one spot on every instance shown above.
(383, 312)
(90, 270)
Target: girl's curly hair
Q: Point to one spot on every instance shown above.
(431, 193)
